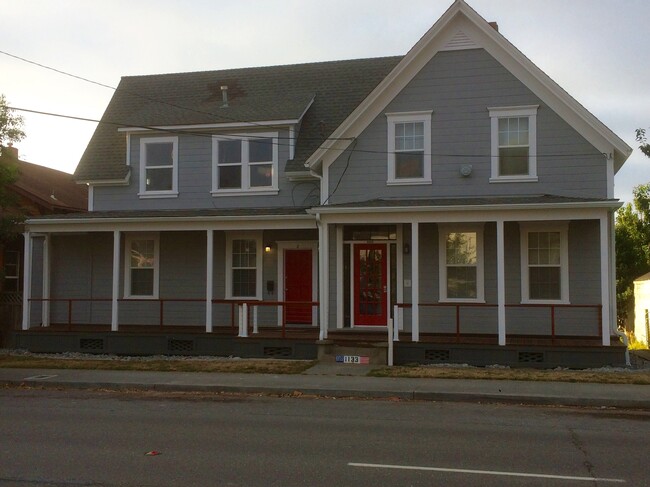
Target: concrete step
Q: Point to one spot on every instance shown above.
(358, 353)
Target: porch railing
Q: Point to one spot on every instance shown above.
(551, 307)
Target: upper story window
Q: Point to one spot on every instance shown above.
(544, 263)
(409, 148)
(158, 167)
(514, 143)
(141, 266)
(461, 263)
(245, 165)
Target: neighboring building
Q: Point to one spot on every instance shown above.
(458, 184)
(38, 191)
(641, 309)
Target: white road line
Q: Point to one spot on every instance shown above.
(486, 472)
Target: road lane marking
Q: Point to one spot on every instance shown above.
(39, 377)
(485, 472)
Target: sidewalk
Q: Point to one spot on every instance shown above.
(342, 381)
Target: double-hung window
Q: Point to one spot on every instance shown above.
(514, 144)
(158, 167)
(545, 267)
(11, 271)
(461, 263)
(141, 266)
(244, 266)
(245, 165)
(409, 148)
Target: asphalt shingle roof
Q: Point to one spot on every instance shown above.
(254, 95)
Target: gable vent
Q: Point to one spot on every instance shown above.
(459, 41)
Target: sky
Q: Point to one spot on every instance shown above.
(595, 49)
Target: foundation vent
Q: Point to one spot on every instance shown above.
(278, 352)
(436, 355)
(91, 344)
(180, 346)
(531, 357)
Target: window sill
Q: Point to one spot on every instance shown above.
(245, 298)
(514, 179)
(545, 301)
(407, 182)
(239, 192)
(461, 301)
(138, 298)
(161, 194)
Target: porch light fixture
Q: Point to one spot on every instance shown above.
(267, 248)
(407, 248)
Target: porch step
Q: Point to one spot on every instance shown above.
(361, 353)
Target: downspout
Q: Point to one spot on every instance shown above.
(322, 319)
(612, 273)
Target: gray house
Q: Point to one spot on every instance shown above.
(456, 193)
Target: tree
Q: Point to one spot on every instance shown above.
(11, 125)
(643, 140)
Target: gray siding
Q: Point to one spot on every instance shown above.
(459, 86)
(195, 182)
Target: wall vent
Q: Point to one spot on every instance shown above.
(531, 357)
(459, 41)
(181, 346)
(436, 355)
(278, 352)
(91, 344)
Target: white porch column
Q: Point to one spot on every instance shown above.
(501, 283)
(415, 281)
(116, 280)
(339, 276)
(323, 277)
(46, 281)
(27, 280)
(209, 280)
(605, 279)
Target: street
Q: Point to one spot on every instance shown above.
(73, 438)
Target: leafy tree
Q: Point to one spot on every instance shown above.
(643, 140)
(10, 131)
(10, 125)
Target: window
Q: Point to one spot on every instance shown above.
(461, 263)
(409, 148)
(514, 143)
(245, 165)
(244, 266)
(545, 270)
(158, 166)
(141, 268)
(11, 271)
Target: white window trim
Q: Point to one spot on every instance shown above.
(496, 113)
(246, 188)
(130, 237)
(394, 118)
(257, 236)
(173, 193)
(443, 231)
(563, 228)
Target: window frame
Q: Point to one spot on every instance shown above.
(13, 278)
(527, 111)
(563, 229)
(409, 117)
(443, 232)
(144, 193)
(246, 188)
(230, 238)
(128, 240)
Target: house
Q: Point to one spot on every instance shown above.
(38, 191)
(456, 192)
(641, 307)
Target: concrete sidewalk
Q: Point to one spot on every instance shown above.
(336, 381)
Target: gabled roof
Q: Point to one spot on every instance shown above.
(460, 26)
(56, 191)
(255, 95)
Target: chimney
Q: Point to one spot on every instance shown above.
(224, 95)
(494, 25)
(10, 151)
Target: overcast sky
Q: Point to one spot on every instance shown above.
(595, 49)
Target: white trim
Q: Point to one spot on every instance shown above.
(128, 149)
(501, 282)
(91, 197)
(245, 165)
(292, 142)
(259, 249)
(209, 279)
(563, 228)
(143, 193)
(339, 277)
(497, 113)
(323, 274)
(130, 237)
(610, 177)
(605, 278)
(27, 279)
(415, 281)
(266, 124)
(399, 251)
(45, 311)
(423, 117)
(443, 231)
(352, 287)
(125, 181)
(312, 245)
(325, 187)
(116, 281)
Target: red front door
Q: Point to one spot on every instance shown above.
(370, 284)
(298, 284)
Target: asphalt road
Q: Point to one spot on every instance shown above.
(76, 438)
